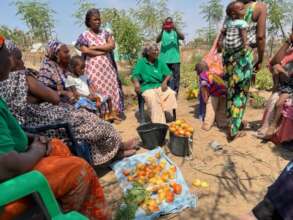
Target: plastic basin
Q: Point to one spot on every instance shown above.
(152, 134)
(179, 146)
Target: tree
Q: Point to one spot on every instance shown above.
(83, 7)
(19, 37)
(125, 31)
(279, 15)
(38, 17)
(213, 14)
(150, 15)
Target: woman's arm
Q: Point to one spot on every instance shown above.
(261, 32)
(159, 38)
(243, 33)
(136, 85)
(109, 46)
(180, 35)
(13, 163)
(164, 85)
(41, 91)
(91, 52)
(279, 56)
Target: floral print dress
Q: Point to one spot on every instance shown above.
(103, 139)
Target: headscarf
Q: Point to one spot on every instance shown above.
(2, 41)
(52, 48)
(148, 47)
(11, 46)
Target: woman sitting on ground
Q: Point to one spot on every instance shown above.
(34, 105)
(150, 77)
(72, 179)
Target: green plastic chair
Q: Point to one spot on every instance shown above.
(35, 183)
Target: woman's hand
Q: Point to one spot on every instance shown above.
(70, 96)
(164, 86)
(39, 146)
(137, 87)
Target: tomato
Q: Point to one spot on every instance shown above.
(126, 172)
(177, 188)
(169, 197)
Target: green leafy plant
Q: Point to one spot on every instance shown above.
(257, 101)
(264, 80)
(132, 199)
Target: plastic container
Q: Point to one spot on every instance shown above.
(152, 134)
(179, 145)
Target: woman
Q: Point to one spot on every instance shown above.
(72, 179)
(239, 66)
(150, 77)
(34, 104)
(54, 69)
(281, 67)
(96, 45)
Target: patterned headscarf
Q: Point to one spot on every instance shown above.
(148, 47)
(11, 46)
(52, 48)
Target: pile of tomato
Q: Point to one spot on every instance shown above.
(158, 178)
(181, 128)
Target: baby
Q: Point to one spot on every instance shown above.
(234, 33)
(78, 83)
(213, 95)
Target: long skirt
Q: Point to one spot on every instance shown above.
(239, 69)
(73, 182)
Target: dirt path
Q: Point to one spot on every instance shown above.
(238, 175)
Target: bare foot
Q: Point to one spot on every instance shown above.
(131, 144)
(205, 127)
(238, 135)
(270, 132)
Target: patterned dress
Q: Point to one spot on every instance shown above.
(100, 69)
(102, 137)
(238, 66)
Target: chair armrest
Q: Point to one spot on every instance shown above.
(67, 128)
(26, 184)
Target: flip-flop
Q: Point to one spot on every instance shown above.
(258, 134)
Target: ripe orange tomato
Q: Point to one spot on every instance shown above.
(126, 172)
(169, 197)
(177, 188)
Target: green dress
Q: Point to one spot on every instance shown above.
(239, 70)
(12, 137)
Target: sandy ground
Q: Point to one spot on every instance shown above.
(238, 175)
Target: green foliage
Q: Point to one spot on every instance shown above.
(132, 199)
(20, 38)
(83, 7)
(38, 16)
(125, 78)
(126, 32)
(150, 15)
(257, 101)
(264, 80)
(213, 13)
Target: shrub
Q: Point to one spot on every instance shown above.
(264, 80)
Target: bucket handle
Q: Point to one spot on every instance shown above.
(190, 148)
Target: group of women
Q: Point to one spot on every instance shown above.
(32, 98)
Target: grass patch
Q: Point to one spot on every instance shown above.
(264, 80)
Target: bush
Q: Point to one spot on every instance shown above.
(264, 80)
(257, 101)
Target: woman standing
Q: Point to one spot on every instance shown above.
(239, 66)
(96, 45)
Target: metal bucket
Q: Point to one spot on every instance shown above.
(152, 134)
(180, 146)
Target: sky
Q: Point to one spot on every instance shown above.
(67, 30)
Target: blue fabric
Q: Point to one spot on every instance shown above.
(85, 103)
(182, 201)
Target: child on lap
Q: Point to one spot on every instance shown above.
(79, 85)
(213, 94)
